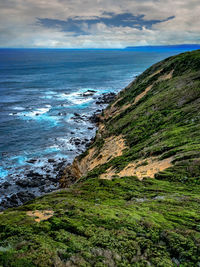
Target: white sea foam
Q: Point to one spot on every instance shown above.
(66, 96)
(52, 149)
(79, 101)
(76, 98)
(64, 142)
(39, 114)
(18, 108)
(49, 95)
(35, 113)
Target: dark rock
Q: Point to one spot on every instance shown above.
(51, 160)
(5, 185)
(92, 139)
(42, 189)
(52, 178)
(106, 98)
(88, 93)
(94, 118)
(77, 143)
(32, 180)
(32, 174)
(14, 199)
(77, 117)
(87, 145)
(36, 183)
(32, 161)
(22, 183)
(25, 196)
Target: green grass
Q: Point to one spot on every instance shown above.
(124, 222)
(165, 122)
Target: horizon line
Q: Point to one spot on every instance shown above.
(107, 48)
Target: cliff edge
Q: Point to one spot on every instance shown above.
(151, 129)
(134, 195)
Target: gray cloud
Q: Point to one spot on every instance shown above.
(98, 23)
(81, 25)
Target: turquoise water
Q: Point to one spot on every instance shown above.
(41, 89)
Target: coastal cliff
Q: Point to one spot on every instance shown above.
(151, 129)
(132, 198)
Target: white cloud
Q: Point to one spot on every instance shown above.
(18, 23)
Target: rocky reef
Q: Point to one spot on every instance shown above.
(39, 177)
(132, 198)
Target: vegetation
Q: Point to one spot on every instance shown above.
(165, 122)
(125, 222)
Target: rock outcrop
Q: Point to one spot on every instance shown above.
(148, 123)
(135, 194)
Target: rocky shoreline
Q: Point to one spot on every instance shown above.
(36, 183)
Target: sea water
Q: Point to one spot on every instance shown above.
(41, 89)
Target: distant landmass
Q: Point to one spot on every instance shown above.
(183, 47)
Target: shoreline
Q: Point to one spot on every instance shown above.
(36, 183)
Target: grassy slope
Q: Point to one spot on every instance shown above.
(164, 123)
(126, 222)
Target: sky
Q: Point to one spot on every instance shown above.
(98, 23)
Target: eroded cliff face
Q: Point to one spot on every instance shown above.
(108, 217)
(113, 147)
(144, 131)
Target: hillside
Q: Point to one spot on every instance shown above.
(132, 199)
(152, 128)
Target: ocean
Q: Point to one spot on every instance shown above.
(42, 94)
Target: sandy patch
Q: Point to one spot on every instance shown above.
(113, 147)
(166, 76)
(111, 110)
(143, 168)
(142, 94)
(156, 72)
(40, 215)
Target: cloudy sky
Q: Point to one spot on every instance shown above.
(98, 23)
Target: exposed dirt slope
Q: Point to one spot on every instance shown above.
(151, 121)
(151, 130)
